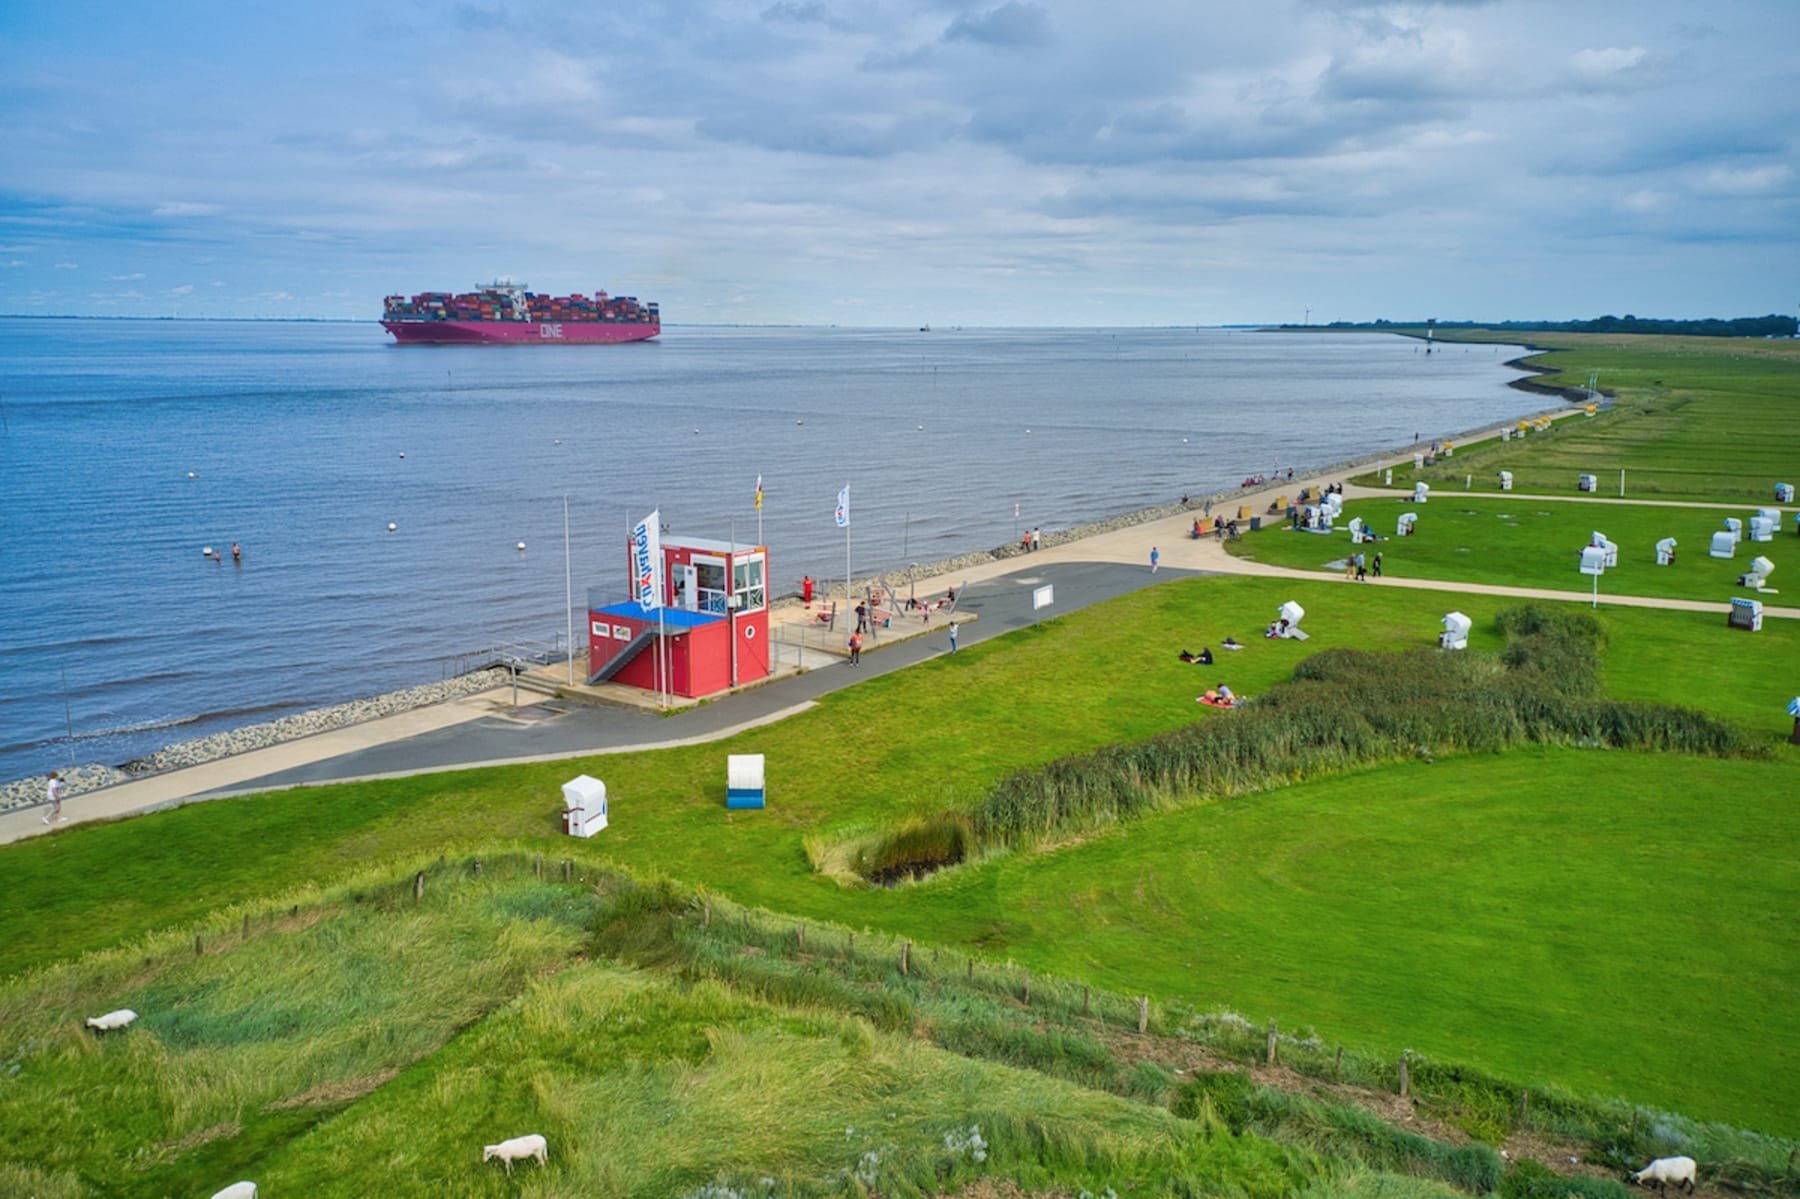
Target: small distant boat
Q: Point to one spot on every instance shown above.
(924, 328)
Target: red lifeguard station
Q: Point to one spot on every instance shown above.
(705, 628)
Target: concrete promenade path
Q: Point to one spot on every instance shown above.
(994, 598)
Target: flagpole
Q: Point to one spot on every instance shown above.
(569, 590)
(847, 598)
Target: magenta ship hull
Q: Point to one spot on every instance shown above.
(462, 333)
(508, 314)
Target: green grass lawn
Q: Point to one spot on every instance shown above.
(928, 738)
(1518, 541)
(1591, 917)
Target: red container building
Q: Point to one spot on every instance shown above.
(711, 635)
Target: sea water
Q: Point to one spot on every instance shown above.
(129, 446)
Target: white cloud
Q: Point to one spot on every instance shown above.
(135, 275)
(1751, 181)
(185, 208)
(183, 290)
(67, 266)
(1606, 63)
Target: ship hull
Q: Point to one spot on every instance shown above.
(544, 333)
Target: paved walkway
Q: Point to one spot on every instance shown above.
(994, 598)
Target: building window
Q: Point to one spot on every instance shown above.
(747, 584)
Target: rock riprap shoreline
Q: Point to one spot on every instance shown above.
(200, 750)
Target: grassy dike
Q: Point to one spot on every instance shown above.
(1580, 920)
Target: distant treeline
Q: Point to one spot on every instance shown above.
(1743, 326)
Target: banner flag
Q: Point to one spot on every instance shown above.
(646, 562)
(843, 508)
(759, 493)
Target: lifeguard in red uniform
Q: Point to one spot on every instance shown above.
(806, 590)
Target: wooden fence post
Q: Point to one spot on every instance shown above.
(971, 970)
(568, 869)
(477, 867)
(1270, 1052)
(1524, 1105)
(1143, 1014)
(418, 886)
(1028, 988)
(246, 926)
(1084, 1001)
(1337, 1067)
(800, 936)
(537, 865)
(706, 913)
(199, 950)
(1405, 1078)
(905, 958)
(853, 947)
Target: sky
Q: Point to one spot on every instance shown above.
(881, 163)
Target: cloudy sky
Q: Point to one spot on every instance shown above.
(879, 162)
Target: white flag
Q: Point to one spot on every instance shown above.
(646, 562)
(843, 508)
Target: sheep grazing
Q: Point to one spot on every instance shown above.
(237, 1190)
(519, 1147)
(112, 1020)
(1664, 1170)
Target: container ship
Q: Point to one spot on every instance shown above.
(508, 314)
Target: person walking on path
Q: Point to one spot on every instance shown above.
(856, 648)
(1155, 558)
(53, 790)
(862, 618)
(1362, 571)
(1377, 564)
(1037, 542)
(953, 636)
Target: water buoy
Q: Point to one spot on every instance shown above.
(403, 453)
(192, 475)
(558, 441)
(392, 526)
(799, 422)
(206, 552)
(521, 547)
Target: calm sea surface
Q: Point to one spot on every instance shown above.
(130, 445)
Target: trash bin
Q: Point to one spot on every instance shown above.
(1255, 523)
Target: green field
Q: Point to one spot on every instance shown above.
(1519, 541)
(1575, 921)
(1691, 418)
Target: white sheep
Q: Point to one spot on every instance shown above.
(237, 1190)
(519, 1147)
(1664, 1170)
(112, 1020)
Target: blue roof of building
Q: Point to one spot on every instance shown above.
(677, 618)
